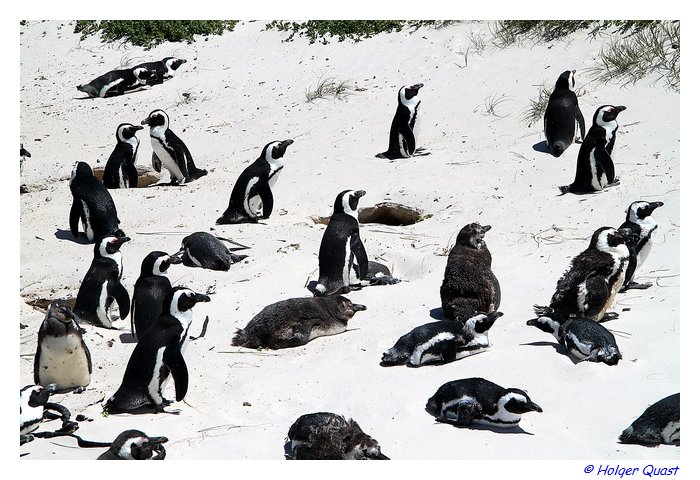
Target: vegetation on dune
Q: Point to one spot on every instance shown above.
(508, 32)
(318, 30)
(149, 33)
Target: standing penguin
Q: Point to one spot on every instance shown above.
(590, 285)
(163, 69)
(204, 250)
(340, 246)
(150, 290)
(102, 285)
(594, 168)
(469, 285)
(117, 82)
(158, 354)
(61, 358)
(135, 445)
(642, 226)
(251, 197)
(562, 115)
(405, 125)
(476, 400)
(584, 339)
(92, 205)
(170, 151)
(120, 171)
(23, 155)
(659, 424)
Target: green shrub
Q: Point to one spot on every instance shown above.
(355, 30)
(149, 33)
(510, 31)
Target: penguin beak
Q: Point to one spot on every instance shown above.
(286, 143)
(654, 205)
(157, 440)
(176, 258)
(534, 407)
(417, 86)
(618, 109)
(356, 307)
(136, 128)
(200, 297)
(359, 193)
(573, 72)
(379, 456)
(485, 228)
(532, 322)
(146, 121)
(123, 240)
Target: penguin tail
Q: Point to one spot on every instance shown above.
(240, 339)
(542, 311)
(432, 407)
(558, 148)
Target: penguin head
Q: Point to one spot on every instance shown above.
(342, 308)
(566, 81)
(80, 169)
(157, 118)
(157, 263)
(346, 202)
(641, 210)
(173, 63)
(359, 445)
(61, 311)
(126, 131)
(182, 299)
(516, 401)
(408, 93)
(274, 151)
(608, 239)
(607, 114)
(143, 74)
(136, 445)
(481, 322)
(109, 245)
(546, 324)
(37, 395)
(472, 235)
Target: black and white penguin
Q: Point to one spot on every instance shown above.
(204, 250)
(92, 205)
(170, 151)
(562, 115)
(61, 358)
(117, 82)
(589, 287)
(102, 285)
(377, 274)
(594, 167)
(297, 321)
(23, 155)
(328, 436)
(251, 197)
(469, 285)
(584, 339)
(150, 290)
(164, 69)
(479, 401)
(158, 354)
(341, 246)
(120, 171)
(642, 226)
(441, 342)
(405, 125)
(135, 445)
(34, 406)
(659, 424)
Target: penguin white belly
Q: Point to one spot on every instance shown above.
(671, 432)
(614, 288)
(30, 418)
(321, 331)
(194, 260)
(596, 181)
(480, 340)
(252, 204)
(648, 226)
(448, 413)
(63, 362)
(102, 307)
(582, 350)
(167, 160)
(154, 384)
(418, 356)
(104, 89)
(402, 146)
(87, 226)
(122, 183)
(347, 263)
(416, 125)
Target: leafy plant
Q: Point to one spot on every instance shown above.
(356, 30)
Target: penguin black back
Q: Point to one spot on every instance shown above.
(92, 205)
(116, 82)
(659, 424)
(562, 115)
(120, 171)
(204, 250)
(163, 69)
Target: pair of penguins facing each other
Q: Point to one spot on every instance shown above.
(595, 169)
(117, 82)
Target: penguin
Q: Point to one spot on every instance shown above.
(589, 287)
(441, 342)
(117, 82)
(135, 445)
(170, 151)
(92, 205)
(297, 321)
(62, 358)
(102, 285)
(204, 250)
(34, 407)
(583, 338)
(23, 155)
(150, 290)
(341, 246)
(163, 69)
(642, 226)
(562, 115)
(158, 354)
(328, 436)
(251, 197)
(377, 274)
(405, 125)
(479, 401)
(120, 171)
(469, 285)
(659, 424)
(594, 167)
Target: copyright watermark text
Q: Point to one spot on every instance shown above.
(622, 472)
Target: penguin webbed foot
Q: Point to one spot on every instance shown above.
(79, 390)
(609, 316)
(384, 280)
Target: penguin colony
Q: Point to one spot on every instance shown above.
(161, 314)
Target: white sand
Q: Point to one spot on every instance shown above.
(248, 89)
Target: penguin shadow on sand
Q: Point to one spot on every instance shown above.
(62, 234)
(557, 346)
(420, 152)
(507, 431)
(111, 95)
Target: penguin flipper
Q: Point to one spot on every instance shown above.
(596, 294)
(120, 294)
(155, 161)
(36, 364)
(172, 357)
(180, 158)
(133, 178)
(88, 357)
(410, 141)
(581, 123)
(74, 217)
(265, 194)
(606, 162)
(358, 249)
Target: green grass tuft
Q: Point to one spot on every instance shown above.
(356, 30)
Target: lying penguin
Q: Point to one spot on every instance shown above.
(117, 82)
(327, 436)
(442, 342)
(297, 321)
(135, 445)
(34, 407)
(204, 250)
(584, 339)
(163, 69)
(659, 424)
(479, 401)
